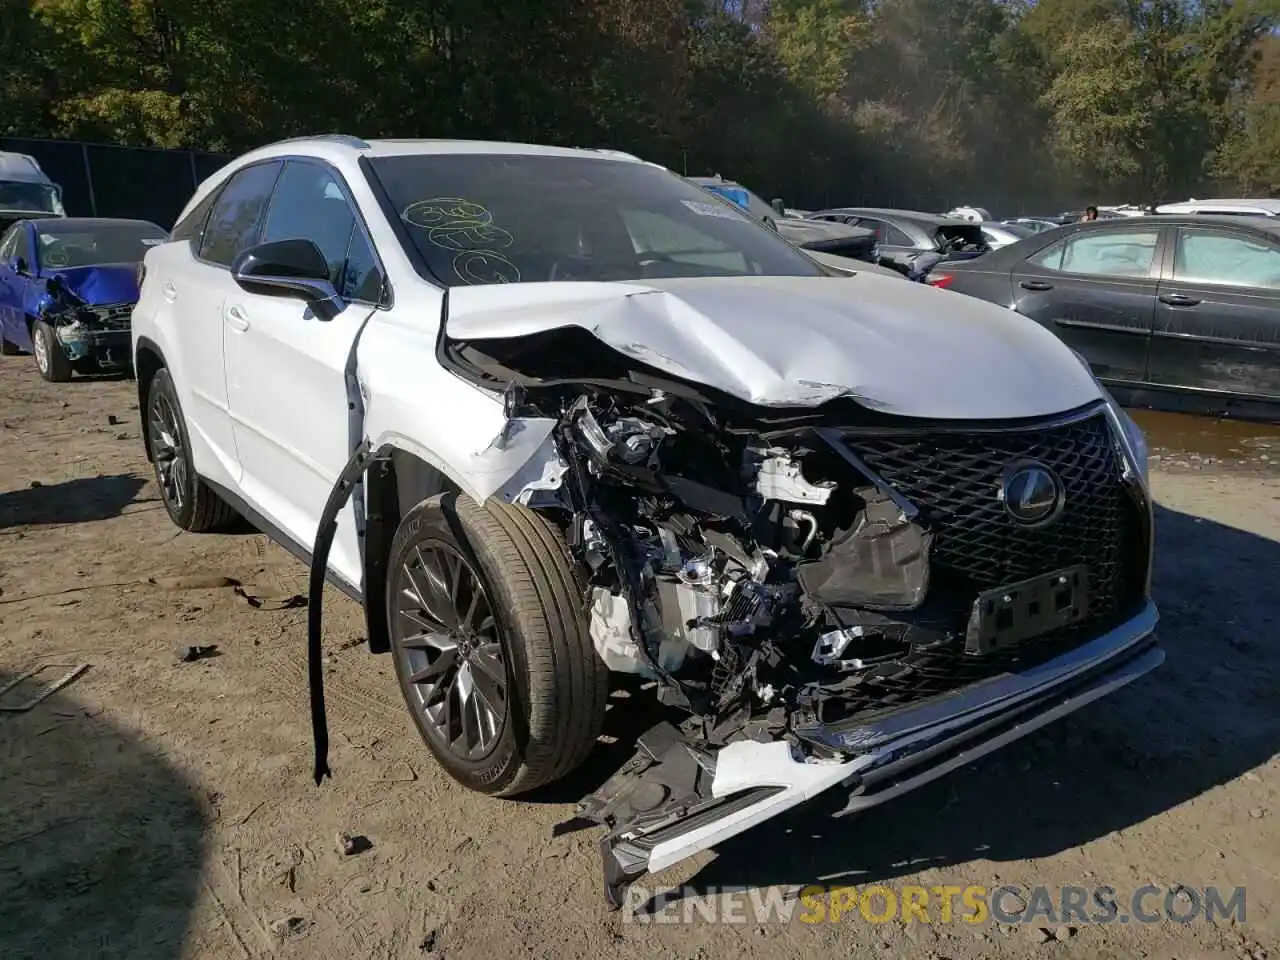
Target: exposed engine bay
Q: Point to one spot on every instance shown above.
(790, 576)
(761, 569)
(744, 571)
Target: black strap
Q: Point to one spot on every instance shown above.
(328, 527)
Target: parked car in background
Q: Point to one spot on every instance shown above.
(1036, 224)
(837, 239)
(67, 288)
(850, 266)
(912, 242)
(585, 421)
(1170, 311)
(999, 234)
(26, 192)
(972, 214)
(1223, 208)
(737, 194)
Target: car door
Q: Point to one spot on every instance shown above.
(195, 280)
(1218, 313)
(893, 245)
(1096, 289)
(11, 286)
(286, 367)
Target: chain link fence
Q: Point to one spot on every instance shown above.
(102, 180)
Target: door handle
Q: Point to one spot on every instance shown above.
(170, 291)
(1178, 300)
(1035, 285)
(237, 320)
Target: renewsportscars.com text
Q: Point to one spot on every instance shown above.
(937, 904)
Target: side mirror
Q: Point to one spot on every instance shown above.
(19, 266)
(289, 268)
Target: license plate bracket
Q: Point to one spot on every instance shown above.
(1008, 615)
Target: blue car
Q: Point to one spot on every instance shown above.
(67, 290)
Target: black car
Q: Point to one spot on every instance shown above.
(910, 241)
(1175, 312)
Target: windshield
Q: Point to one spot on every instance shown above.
(481, 219)
(86, 245)
(36, 197)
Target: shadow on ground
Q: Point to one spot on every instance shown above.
(101, 847)
(81, 500)
(1208, 715)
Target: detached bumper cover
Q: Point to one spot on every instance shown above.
(107, 347)
(675, 799)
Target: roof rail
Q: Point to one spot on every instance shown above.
(344, 138)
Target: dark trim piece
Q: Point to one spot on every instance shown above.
(1108, 327)
(1223, 341)
(299, 552)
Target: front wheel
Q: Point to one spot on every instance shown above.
(51, 359)
(190, 502)
(490, 643)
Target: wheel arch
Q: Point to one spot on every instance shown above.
(148, 360)
(397, 481)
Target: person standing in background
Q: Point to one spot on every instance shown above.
(1090, 213)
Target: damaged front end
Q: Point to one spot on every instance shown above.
(93, 336)
(835, 596)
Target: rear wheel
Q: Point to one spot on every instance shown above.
(191, 503)
(490, 643)
(51, 359)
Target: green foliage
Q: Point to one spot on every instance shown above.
(1014, 104)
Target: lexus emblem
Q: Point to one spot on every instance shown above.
(1032, 494)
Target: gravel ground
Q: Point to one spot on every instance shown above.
(160, 809)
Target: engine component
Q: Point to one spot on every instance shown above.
(778, 477)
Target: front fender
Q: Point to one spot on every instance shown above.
(415, 405)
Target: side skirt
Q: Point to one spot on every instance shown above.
(297, 550)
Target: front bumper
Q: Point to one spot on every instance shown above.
(109, 348)
(675, 799)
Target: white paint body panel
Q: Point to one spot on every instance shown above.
(900, 348)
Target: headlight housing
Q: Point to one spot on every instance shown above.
(1133, 441)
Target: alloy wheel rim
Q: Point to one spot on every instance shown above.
(41, 349)
(448, 642)
(166, 448)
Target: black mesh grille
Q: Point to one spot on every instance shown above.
(954, 480)
(110, 318)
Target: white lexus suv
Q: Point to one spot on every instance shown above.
(553, 415)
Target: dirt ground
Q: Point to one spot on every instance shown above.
(161, 809)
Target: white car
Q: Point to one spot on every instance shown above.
(575, 418)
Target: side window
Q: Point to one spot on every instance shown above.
(233, 221)
(878, 227)
(895, 237)
(361, 277)
(308, 204)
(191, 227)
(9, 244)
(1207, 256)
(1102, 253)
(1050, 257)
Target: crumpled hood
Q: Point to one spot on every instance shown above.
(901, 348)
(101, 284)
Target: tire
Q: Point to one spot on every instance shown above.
(555, 684)
(51, 359)
(190, 502)
(8, 349)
